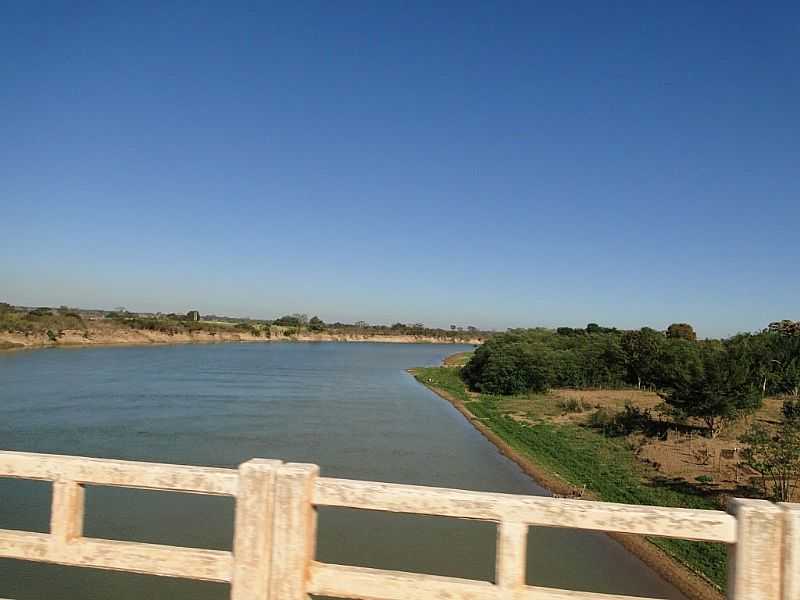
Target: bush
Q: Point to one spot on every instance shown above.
(791, 411)
(601, 419)
(775, 456)
(573, 405)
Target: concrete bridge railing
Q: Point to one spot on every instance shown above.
(273, 555)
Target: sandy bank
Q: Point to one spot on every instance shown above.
(123, 336)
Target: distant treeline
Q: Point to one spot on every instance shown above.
(301, 322)
(56, 320)
(709, 379)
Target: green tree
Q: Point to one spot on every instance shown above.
(642, 349)
(316, 324)
(716, 389)
(289, 321)
(682, 331)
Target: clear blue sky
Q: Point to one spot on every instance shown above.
(496, 164)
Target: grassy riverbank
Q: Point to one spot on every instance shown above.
(572, 456)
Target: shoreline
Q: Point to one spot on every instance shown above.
(687, 581)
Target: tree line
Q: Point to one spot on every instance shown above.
(712, 380)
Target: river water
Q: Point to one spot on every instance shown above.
(349, 407)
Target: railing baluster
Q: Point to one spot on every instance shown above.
(512, 541)
(754, 562)
(66, 513)
(294, 531)
(791, 551)
(252, 542)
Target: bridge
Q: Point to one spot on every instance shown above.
(273, 556)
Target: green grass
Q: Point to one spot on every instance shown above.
(459, 359)
(582, 456)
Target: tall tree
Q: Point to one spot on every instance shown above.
(718, 388)
(642, 349)
(682, 331)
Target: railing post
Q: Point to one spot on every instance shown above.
(754, 562)
(295, 531)
(66, 511)
(252, 536)
(791, 551)
(512, 542)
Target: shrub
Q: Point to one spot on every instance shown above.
(791, 411)
(602, 418)
(573, 405)
(775, 456)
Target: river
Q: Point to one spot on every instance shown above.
(349, 407)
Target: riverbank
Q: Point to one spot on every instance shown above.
(560, 459)
(106, 336)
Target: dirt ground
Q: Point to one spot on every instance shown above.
(683, 452)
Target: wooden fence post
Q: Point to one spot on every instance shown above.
(252, 535)
(754, 562)
(512, 542)
(295, 531)
(791, 551)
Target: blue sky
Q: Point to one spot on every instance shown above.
(495, 164)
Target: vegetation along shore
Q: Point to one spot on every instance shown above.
(641, 417)
(42, 327)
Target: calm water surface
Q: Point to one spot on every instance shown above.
(351, 408)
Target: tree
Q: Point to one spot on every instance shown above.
(512, 368)
(593, 328)
(316, 324)
(642, 349)
(452, 327)
(682, 331)
(716, 389)
(288, 321)
(775, 456)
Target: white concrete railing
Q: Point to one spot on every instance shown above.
(275, 531)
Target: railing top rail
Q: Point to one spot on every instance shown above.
(120, 473)
(683, 523)
(693, 524)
